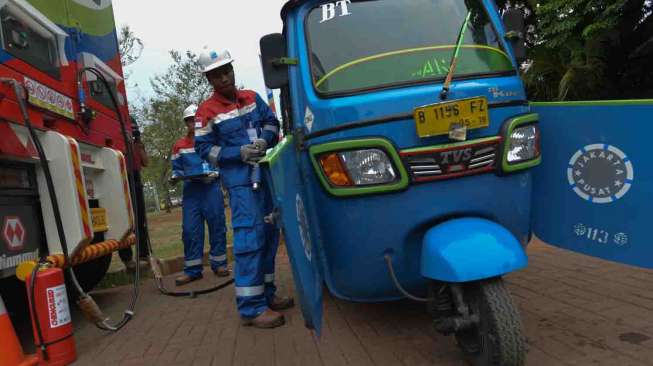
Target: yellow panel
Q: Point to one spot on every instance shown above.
(99, 218)
(440, 118)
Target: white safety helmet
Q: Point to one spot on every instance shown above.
(211, 59)
(190, 111)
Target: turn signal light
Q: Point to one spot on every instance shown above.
(334, 170)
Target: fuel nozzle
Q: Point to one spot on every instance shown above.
(261, 146)
(85, 113)
(90, 309)
(256, 177)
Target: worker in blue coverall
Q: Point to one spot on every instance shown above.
(234, 128)
(202, 201)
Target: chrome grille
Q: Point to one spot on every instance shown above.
(436, 163)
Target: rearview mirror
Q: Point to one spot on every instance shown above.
(275, 63)
(513, 21)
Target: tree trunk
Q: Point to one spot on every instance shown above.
(168, 200)
(166, 186)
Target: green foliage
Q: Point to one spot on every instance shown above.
(180, 86)
(589, 49)
(130, 47)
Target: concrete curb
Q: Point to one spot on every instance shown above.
(176, 264)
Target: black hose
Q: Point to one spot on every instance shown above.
(192, 294)
(388, 261)
(130, 155)
(19, 90)
(35, 315)
(129, 312)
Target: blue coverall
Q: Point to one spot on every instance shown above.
(202, 201)
(221, 129)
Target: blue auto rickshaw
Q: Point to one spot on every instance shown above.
(412, 164)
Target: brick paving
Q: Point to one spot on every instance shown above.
(576, 311)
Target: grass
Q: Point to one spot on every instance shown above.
(165, 236)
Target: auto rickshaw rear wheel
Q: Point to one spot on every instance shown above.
(496, 340)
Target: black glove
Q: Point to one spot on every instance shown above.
(250, 154)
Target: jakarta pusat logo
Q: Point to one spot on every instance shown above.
(600, 173)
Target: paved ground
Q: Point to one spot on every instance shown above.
(576, 311)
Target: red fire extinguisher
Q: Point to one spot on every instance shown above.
(51, 320)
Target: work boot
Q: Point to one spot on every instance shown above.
(267, 319)
(281, 303)
(222, 271)
(186, 279)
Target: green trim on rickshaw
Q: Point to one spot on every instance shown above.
(509, 127)
(273, 156)
(367, 143)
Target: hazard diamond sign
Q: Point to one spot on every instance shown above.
(13, 233)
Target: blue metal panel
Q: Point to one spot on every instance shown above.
(496, 20)
(470, 249)
(5, 56)
(593, 192)
(298, 232)
(356, 232)
(403, 132)
(352, 234)
(103, 47)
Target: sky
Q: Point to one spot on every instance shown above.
(166, 25)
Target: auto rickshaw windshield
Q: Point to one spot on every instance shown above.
(361, 46)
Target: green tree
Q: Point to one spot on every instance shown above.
(181, 85)
(130, 47)
(588, 49)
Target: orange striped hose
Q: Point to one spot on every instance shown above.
(93, 251)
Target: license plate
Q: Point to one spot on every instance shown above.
(99, 219)
(439, 119)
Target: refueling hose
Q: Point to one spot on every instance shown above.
(86, 303)
(154, 263)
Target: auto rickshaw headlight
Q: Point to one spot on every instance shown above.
(334, 170)
(358, 167)
(523, 144)
(369, 166)
(363, 166)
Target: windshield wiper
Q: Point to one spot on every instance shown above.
(454, 59)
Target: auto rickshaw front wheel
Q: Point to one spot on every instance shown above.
(495, 338)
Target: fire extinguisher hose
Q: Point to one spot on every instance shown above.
(35, 315)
